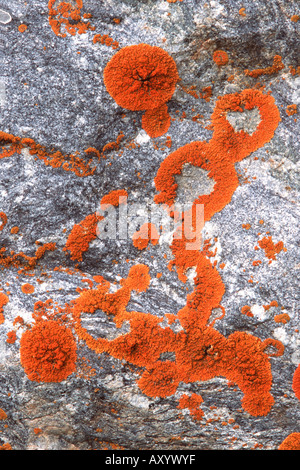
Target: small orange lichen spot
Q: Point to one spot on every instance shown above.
(291, 109)
(11, 337)
(296, 382)
(246, 226)
(141, 77)
(271, 249)
(6, 446)
(276, 67)
(81, 236)
(147, 233)
(22, 28)
(156, 121)
(3, 301)
(246, 310)
(291, 442)
(295, 18)
(242, 11)
(222, 265)
(220, 58)
(37, 431)
(282, 318)
(193, 403)
(114, 198)
(261, 222)
(27, 288)
(3, 218)
(14, 230)
(3, 415)
(48, 352)
(117, 20)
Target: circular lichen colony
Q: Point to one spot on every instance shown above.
(48, 352)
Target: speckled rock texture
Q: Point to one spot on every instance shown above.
(52, 91)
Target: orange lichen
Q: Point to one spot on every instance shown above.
(114, 198)
(48, 352)
(271, 249)
(22, 28)
(106, 40)
(37, 431)
(156, 121)
(275, 68)
(21, 260)
(141, 77)
(3, 219)
(81, 236)
(27, 288)
(13, 145)
(6, 446)
(147, 233)
(11, 337)
(3, 415)
(14, 230)
(291, 109)
(282, 318)
(220, 57)
(295, 18)
(296, 382)
(193, 403)
(246, 310)
(242, 11)
(67, 15)
(291, 442)
(3, 301)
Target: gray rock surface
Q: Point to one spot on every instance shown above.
(53, 92)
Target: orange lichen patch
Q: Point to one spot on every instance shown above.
(296, 382)
(114, 198)
(237, 145)
(273, 343)
(37, 431)
(21, 260)
(81, 236)
(6, 446)
(3, 415)
(156, 121)
(282, 318)
(3, 219)
(27, 288)
(106, 40)
(18, 320)
(11, 337)
(114, 145)
(193, 403)
(246, 310)
(3, 301)
(246, 226)
(22, 28)
(141, 77)
(197, 154)
(271, 249)
(256, 262)
(14, 230)
(160, 381)
(292, 442)
(67, 15)
(295, 18)
(242, 11)
(48, 352)
(13, 145)
(291, 109)
(147, 234)
(275, 68)
(220, 57)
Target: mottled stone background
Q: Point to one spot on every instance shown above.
(57, 96)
